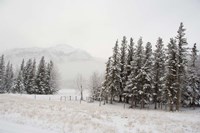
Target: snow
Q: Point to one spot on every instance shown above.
(24, 113)
(11, 127)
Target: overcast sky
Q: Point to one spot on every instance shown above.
(94, 25)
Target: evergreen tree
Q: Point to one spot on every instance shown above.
(51, 79)
(171, 75)
(123, 72)
(192, 93)
(31, 87)
(8, 77)
(2, 74)
(134, 83)
(26, 75)
(130, 55)
(18, 85)
(159, 72)
(106, 83)
(181, 63)
(145, 77)
(41, 78)
(115, 78)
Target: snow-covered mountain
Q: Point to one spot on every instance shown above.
(69, 60)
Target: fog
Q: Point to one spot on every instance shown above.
(94, 25)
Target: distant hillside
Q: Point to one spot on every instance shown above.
(68, 60)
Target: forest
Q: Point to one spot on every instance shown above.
(167, 77)
(28, 79)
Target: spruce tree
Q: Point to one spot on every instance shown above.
(181, 62)
(192, 93)
(114, 88)
(2, 74)
(27, 72)
(129, 69)
(130, 55)
(8, 77)
(134, 84)
(145, 77)
(105, 90)
(18, 85)
(31, 87)
(51, 79)
(123, 72)
(171, 75)
(41, 77)
(159, 72)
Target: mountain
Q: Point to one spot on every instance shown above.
(69, 61)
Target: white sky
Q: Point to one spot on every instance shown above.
(95, 25)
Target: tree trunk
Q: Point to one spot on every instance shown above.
(155, 105)
(120, 98)
(81, 95)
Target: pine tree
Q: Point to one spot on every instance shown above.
(51, 79)
(18, 85)
(26, 75)
(192, 93)
(159, 71)
(171, 75)
(134, 84)
(114, 88)
(105, 90)
(181, 62)
(22, 67)
(145, 77)
(2, 74)
(8, 77)
(31, 87)
(130, 55)
(123, 72)
(41, 78)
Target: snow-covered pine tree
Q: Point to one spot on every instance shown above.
(115, 78)
(171, 75)
(2, 74)
(181, 62)
(130, 55)
(31, 87)
(22, 66)
(18, 85)
(123, 72)
(51, 79)
(144, 77)
(40, 80)
(134, 84)
(106, 83)
(8, 77)
(159, 72)
(192, 93)
(26, 74)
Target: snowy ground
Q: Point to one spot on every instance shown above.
(47, 114)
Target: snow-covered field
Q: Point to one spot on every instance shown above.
(47, 114)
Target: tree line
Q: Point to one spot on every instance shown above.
(140, 76)
(29, 79)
